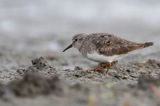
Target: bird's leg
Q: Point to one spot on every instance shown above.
(110, 65)
(99, 68)
(106, 66)
(114, 63)
(102, 66)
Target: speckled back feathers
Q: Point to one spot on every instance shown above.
(107, 44)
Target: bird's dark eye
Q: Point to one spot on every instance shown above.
(76, 39)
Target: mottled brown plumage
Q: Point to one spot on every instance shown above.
(105, 44)
(104, 48)
(110, 45)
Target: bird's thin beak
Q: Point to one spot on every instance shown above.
(67, 47)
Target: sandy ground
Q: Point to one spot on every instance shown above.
(36, 77)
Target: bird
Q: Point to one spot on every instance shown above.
(104, 48)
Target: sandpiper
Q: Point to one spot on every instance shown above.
(104, 48)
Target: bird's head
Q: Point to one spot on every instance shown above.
(76, 41)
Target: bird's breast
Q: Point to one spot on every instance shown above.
(95, 56)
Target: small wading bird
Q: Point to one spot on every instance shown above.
(104, 48)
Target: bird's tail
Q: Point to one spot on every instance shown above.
(147, 44)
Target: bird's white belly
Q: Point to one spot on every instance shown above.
(101, 58)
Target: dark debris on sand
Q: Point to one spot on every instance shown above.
(2, 90)
(132, 71)
(38, 79)
(146, 81)
(39, 65)
(32, 84)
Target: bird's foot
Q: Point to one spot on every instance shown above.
(114, 63)
(102, 66)
(99, 69)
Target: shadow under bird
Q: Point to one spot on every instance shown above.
(104, 48)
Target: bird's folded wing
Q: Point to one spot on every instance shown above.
(111, 45)
(117, 49)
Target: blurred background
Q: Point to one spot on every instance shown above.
(52, 22)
